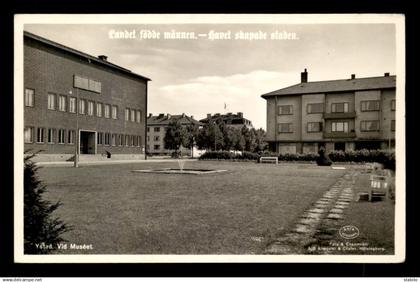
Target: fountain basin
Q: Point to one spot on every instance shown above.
(181, 171)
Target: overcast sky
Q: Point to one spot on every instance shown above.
(197, 77)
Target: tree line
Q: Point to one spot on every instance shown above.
(214, 136)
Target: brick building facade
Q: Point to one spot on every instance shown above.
(346, 114)
(67, 90)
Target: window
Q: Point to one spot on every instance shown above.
(393, 105)
(114, 140)
(132, 140)
(156, 138)
(156, 147)
(100, 138)
(392, 125)
(87, 84)
(127, 114)
(340, 107)
(366, 106)
(61, 133)
(72, 105)
(29, 97)
(148, 129)
(127, 140)
(286, 110)
(107, 139)
(40, 135)
(106, 111)
(114, 112)
(99, 109)
(50, 136)
(369, 125)
(157, 129)
(285, 128)
(315, 108)
(135, 141)
(70, 137)
(82, 106)
(138, 141)
(62, 103)
(133, 115)
(138, 116)
(148, 138)
(314, 126)
(51, 101)
(28, 134)
(120, 140)
(90, 108)
(340, 126)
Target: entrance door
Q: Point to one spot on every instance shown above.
(87, 142)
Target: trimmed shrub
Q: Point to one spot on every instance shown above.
(226, 155)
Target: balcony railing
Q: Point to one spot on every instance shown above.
(339, 135)
(339, 115)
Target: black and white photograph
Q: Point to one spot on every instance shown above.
(209, 138)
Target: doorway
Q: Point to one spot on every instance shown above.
(87, 142)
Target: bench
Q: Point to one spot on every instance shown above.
(269, 159)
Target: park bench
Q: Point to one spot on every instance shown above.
(269, 159)
(378, 187)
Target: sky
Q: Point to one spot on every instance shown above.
(201, 76)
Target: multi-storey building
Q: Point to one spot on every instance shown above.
(156, 130)
(231, 120)
(68, 92)
(345, 114)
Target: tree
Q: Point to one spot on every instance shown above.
(41, 228)
(260, 143)
(190, 135)
(174, 136)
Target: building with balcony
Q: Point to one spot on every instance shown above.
(156, 130)
(75, 101)
(344, 114)
(232, 120)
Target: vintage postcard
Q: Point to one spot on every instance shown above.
(209, 138)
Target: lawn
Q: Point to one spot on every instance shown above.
(122, 212)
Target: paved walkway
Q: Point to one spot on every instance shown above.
(321, 221)
(109, 162)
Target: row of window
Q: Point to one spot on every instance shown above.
(155, 138)
(63, 136)
(49, 135)
(339, 126)
(87, 84)
(315, 108)
(155, 129)
(115, 139)
(86, 107)
(155, 147)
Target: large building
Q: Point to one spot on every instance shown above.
(232, 120)
(345, 114)
(156, 130)
(66, 91)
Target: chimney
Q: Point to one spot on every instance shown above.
(183, 114)
(192, 117)
(240, 114)
(386, 74)
(103, 57)
(168, 115)
(353, 76)
(208, 115)
(150, 115)
(304, 77)
(161, 115)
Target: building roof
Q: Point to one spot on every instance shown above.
(229, 118)
(340, 85)
(163, 119)
(81, 54)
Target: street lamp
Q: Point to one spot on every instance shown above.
(76, 144)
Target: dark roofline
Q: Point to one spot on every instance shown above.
(273, 93)
(81, 54)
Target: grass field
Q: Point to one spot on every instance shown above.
(122, 212)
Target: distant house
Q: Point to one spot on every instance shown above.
(344, 114)
(230, 119)
(156, 129)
